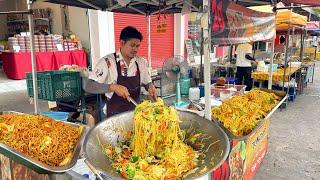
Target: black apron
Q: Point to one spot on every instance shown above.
(118, 104)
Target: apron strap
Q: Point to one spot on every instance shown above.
(138, 72)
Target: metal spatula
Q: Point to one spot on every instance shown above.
(99, 174)
(133, 101)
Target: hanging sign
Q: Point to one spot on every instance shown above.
(234, 24)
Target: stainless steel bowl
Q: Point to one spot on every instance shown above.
(112, 128)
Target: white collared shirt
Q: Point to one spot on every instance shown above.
(105, 71)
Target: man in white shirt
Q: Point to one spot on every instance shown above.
(244, 68)
(122, 74)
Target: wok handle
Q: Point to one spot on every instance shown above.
(93, 169)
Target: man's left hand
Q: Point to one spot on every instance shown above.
(153, 92)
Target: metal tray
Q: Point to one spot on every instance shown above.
(112, 128)
(36, 165)
(232, 136)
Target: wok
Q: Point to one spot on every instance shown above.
(112, 129)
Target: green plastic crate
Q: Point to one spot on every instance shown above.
(56, 85)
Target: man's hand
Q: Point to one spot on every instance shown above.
(120, 90)
(153, 92)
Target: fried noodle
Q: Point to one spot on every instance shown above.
(241, 114)
(40, 137)
(156, 149)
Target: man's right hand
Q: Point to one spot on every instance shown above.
(120, 90)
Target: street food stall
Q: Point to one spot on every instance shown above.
(287, 65)
(226, 151)
(248, 139)
(213, 142)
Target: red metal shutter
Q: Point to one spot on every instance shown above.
(162, 44)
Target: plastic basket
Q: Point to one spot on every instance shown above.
(216, 90)
(60, 116)
(229, 80)
(56, 85)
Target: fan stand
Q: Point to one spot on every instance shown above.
(179, 103)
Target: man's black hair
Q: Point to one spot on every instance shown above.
(282, 39)
(130, 32)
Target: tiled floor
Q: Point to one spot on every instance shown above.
(8, 85)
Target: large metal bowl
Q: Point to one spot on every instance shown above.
(112, 128)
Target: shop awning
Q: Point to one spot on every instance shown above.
(312, 25)
(134, 6)
(264, 8)
(284, 18)
(236, 24)
(313, 28)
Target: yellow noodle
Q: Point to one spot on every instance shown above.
(39, 137)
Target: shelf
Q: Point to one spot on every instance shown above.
(24, 20)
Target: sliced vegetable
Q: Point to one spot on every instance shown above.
(45, 142)
(134, 159)
(131, 171)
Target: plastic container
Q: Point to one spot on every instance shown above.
(225, 95)
(56, 85)
(274, 67)
(201, 87)
(194, 94)
(295, 64)
(261, 66)
(230, 88)
(184, 86)
(59, 116)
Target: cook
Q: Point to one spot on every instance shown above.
(122, 74)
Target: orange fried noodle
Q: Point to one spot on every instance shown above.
(39, 137)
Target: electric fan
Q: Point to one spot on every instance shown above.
(174, 68)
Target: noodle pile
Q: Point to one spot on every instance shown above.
(241, 114)
(156, 149)
(39, 137)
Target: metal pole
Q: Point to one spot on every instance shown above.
(149, 43)
(286, 54)
(201, 57)
(302, 44)
(15, 12)
(33, 59)
(271, 61)
(300, 6)
(206, 46)
(272, 47)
